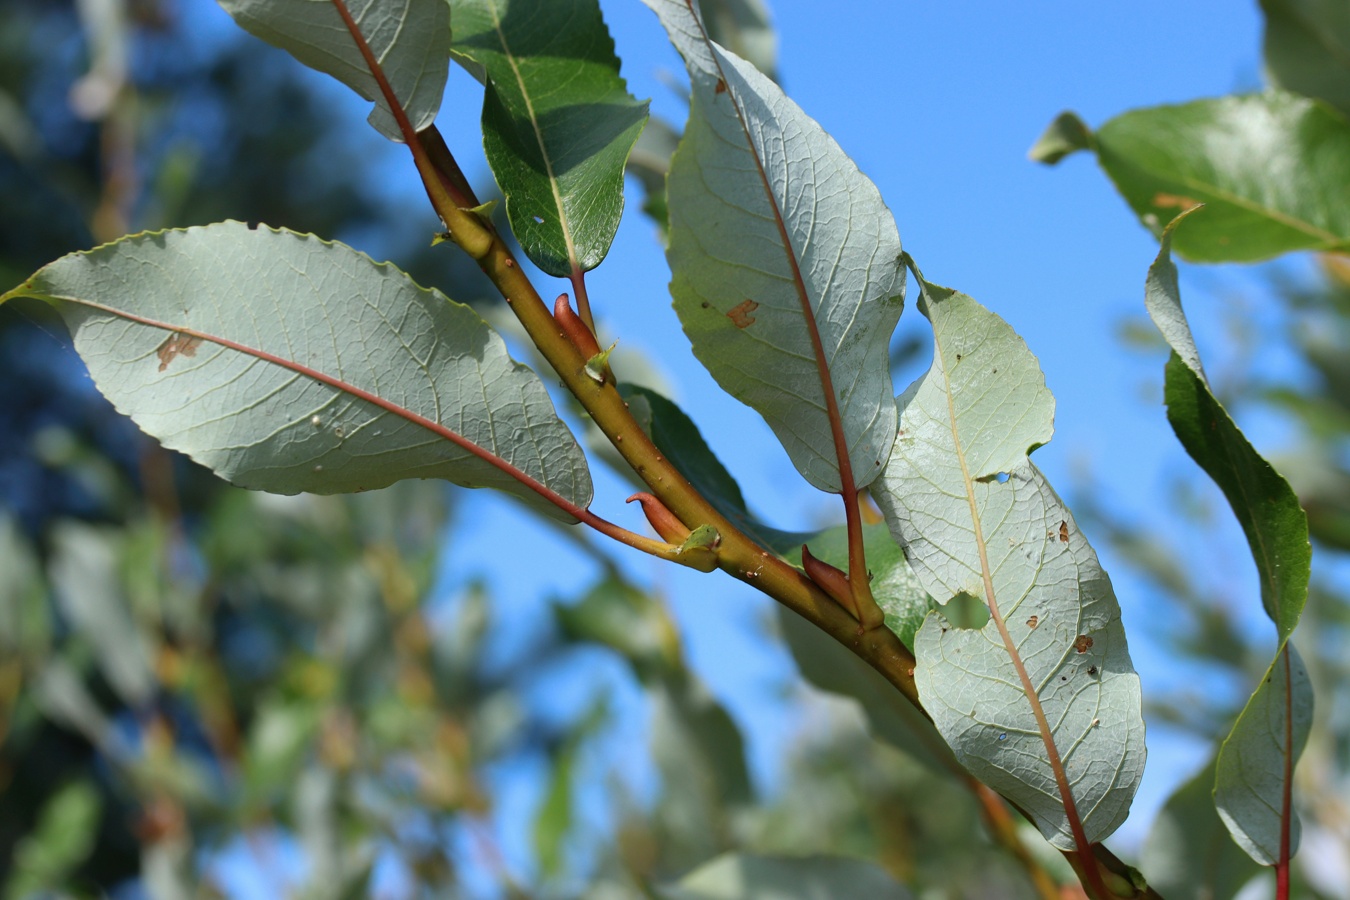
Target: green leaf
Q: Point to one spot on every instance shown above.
(741, 876)
(89, 592)
(1307, 48)
(285, 363)
(558, 123)
(1271, 169)
(61, 840)
(678, 438)
(1049, 674)
(1067, 134)
(410, 39)
(1257, 758)
(1188, 854)
(744, 28)
(894, 585)
(785, 262)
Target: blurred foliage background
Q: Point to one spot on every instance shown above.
(206, 692)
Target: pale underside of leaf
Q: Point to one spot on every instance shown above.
(1250, 777)
(410, 40)
(287, 364)
(558, 123)
(785, 263)
(1050, 674)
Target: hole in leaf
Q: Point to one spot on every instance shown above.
(1003, 736)
(966, 611)
(538, 220)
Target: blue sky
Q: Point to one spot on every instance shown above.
(938, 104)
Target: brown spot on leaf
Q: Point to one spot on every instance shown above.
(175, 345)
(1163, 200)
(1082, 643)
(1033, 621)
(721, 86)
(740, 314)
(1092, 670)
(1064, 532)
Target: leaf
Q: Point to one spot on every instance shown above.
(785, 264)
(89, 593)
(830, 667)
(558, 123)
(740, 876)
(744, 28)
(1067, 134)
(1256, 760)
(1188, 854)
(62, 839)
(678, 438)
(1042, 703)
(1307, 49)
(1271, 169)
(894, 587)
(285, 363)
(410, 39)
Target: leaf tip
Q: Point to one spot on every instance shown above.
(1065, 135)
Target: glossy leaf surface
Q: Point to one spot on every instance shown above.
(410, 40)
(1270, 168)
(287, 364)
(1256, 758)
(1307, 48)
(785, 262)
(1050, 670)
(558, 123)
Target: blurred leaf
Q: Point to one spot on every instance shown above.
(1051, 670)
(738, 876)
(285, 363)
(89, 593)
(617, 615)
(554, 820)
(410, 39)
(1269, 167)
(744, 28)
(1067, 134)
(650, 163)
(829, 666)
(25, 629)
(1307, 48)
(785, 276)
(1188, 854)
(62, 839)
(676, 436)
(558, 123)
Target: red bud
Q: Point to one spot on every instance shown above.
(830, 580)
(574, 329)
(671, 529)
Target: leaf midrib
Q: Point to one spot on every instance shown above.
(986, 573)
(538, 136)
(301, 369)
